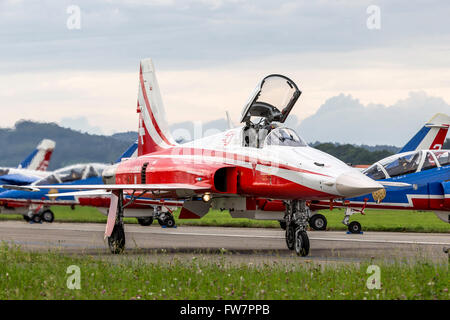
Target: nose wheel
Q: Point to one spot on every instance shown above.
(354, 227)
(290, 237)
(297, 239)
(301, 243)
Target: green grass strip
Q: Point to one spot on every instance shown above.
(32, 275)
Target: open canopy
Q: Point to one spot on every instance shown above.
(273, 99)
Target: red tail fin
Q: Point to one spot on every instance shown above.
(154, 132)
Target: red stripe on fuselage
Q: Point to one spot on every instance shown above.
(176, 151)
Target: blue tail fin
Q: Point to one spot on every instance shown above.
(131, 152)
(431, 136)
(40, 157)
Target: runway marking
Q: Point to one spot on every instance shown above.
(170, 232)
(311, 238)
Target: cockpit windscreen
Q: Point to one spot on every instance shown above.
(404, 164)
(284, 137)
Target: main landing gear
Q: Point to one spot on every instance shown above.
(296, 217)
(165, 218)
(145, 221)
(116, 241)
(45, 215)
(316, 222)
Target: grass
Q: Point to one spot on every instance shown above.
(32, 275)
(374, 220)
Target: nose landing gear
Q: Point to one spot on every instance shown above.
(116, 241)
(297, 214)
(354, 226)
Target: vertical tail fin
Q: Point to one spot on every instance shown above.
(40, 157)
(131, 152)
(154, 132)
(431, 136)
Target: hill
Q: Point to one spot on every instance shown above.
(71, 146)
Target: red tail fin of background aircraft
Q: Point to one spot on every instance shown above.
(154, 134)
(40, 157)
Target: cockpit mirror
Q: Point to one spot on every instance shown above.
(273, 99)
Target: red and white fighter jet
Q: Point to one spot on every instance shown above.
(230, 170)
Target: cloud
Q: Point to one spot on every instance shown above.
(80, 124)
(210, 54)
(345, 119)
(195, 33)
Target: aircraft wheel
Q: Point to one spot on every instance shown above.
(26, 218)
(147, 221)
(318, 222)
(282, 224)
(116, 241)
(48, 216)
(301, 243)
(167, 220)
(290, 236)
(354, 227)
(36, 218)
(170, 222)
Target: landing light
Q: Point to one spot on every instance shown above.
(206, 197)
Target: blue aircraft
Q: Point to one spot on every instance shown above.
(422, 168)
(35, 206)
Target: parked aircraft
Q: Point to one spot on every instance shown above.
(425, 174)
(35, 206)
(32, 168)
(230, 170)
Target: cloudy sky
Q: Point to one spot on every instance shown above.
(209, 55)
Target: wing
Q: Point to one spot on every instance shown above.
(18, 179)
(177, 190)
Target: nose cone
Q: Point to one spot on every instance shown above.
(353, 184)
